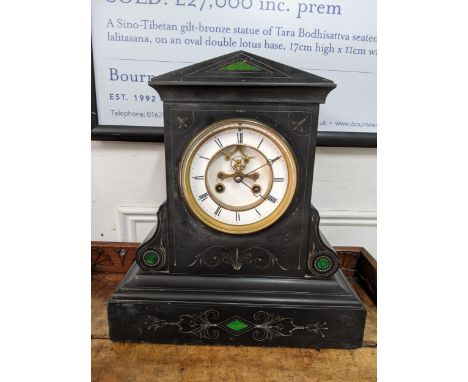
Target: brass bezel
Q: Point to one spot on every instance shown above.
(186, 191)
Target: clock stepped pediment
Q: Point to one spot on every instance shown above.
(241, 68)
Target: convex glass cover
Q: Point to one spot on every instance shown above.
(238, 176)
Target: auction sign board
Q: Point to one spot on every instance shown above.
(134, 40)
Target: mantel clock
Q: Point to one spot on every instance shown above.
(237, 256)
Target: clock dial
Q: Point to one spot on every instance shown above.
(238, 176)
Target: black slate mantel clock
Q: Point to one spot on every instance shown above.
(237, 256)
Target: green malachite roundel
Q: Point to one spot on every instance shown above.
(240, 66)
(237, 325)
(151, 258)
(323, 263)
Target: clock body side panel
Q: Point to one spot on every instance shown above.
(171, 188)
(279, 250)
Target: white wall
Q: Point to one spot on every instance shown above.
(128, 184)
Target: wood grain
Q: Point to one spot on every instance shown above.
(370, 330)
(102, 286)
(366, 274)
(120, 362)
(109, 256)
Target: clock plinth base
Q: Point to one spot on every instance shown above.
(223, 310)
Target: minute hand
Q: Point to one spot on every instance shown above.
(270, 162)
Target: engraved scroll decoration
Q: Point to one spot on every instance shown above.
(320, 250)
(217, 255)
(265, 326)
(155, 244)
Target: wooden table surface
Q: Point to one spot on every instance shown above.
(124, 362)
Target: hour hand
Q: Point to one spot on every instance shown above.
(222, 175)
(237, 174)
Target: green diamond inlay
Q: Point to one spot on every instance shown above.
(237, 325)
(323, 263)
(240, 66)
(151, 258)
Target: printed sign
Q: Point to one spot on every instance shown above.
(134, 40)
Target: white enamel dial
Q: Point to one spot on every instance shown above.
(238, 176)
